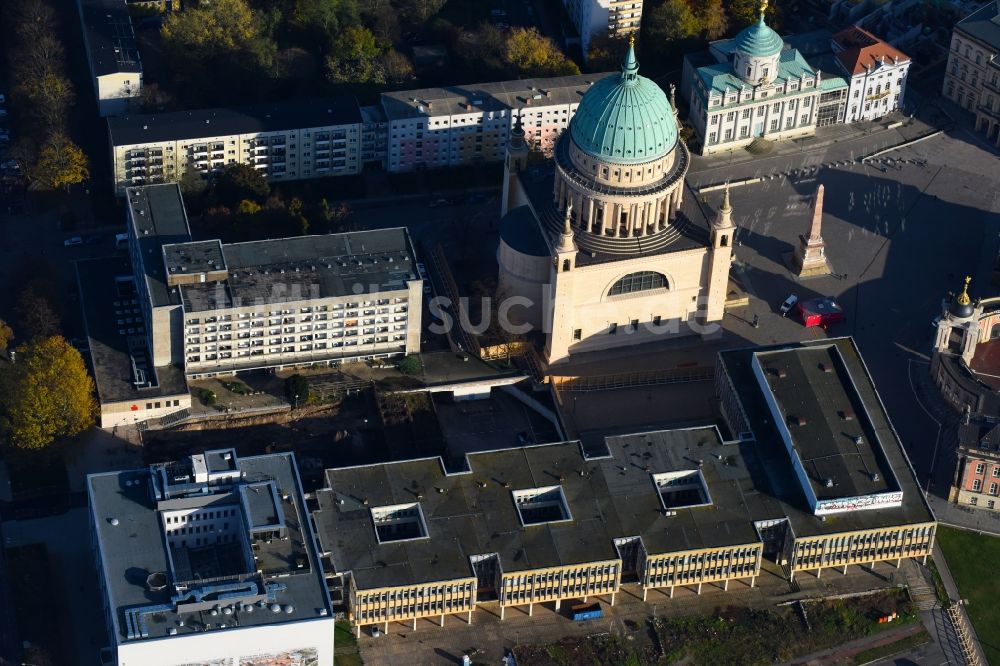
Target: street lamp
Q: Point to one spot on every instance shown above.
(296, 401)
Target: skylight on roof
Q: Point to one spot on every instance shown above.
(541, 505)
(399, 522)
(682, 490)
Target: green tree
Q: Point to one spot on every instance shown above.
(397, 67)
(297, 390)
(248, 207)
(416, 12)
(6, 335)
(36, 318)
(712, 17)
(528, 53)
(744, 12)
(411, 365)
(672, 21)
(324, 17)
(51, 394)
(238, 182)
(605, 53)
(354, 58)
(60, 163)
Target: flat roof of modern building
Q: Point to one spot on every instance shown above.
(307, 267)
(825, 417)
(116, 335)
(474, 512)
(819, 397)
(983, 24)
(157, 212)
(209, 123)
(194, 257)
(144, 576)
(479, 97)
(110, 38)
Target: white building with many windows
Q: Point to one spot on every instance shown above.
(285, 141)
(972, 79)
(209, 560)
(112, 54)
(593, 18)
(876, 72)
(217, 309)
(758, 89)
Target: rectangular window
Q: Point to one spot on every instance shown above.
(613, 330)
(635, 325)
(578, 334)
(980, 468)
(656, 320)
(993, 489)
(977, 485)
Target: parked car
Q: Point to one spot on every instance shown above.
(823, 312)
(787, 306)
(73, 241)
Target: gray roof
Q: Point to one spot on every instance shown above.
(110, 37)
(821, 401)
(305, 267)
(194, 257)
(132, 546)
(111, 305)
(160, 219)
(207, 123)
(983, 24)
(473, 512)
(503, 95)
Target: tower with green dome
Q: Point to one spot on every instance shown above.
(607, 256)
(757, 52)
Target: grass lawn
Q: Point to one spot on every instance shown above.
(345, 646)
(896, 647)
(972, 559)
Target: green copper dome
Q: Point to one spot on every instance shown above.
(759, 40)
(625, 119)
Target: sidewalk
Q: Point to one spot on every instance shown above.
(843, 653)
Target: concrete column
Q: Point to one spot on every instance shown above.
(616, 214)
(725, 585)
(924, 561)
(845, 570)
(644, 591)
(357, 630)
(791, 576)
(699, 588)
(612, 598)
(470, 618)
(531, 609)
(819, 572)
(671, 591)
(753, 580)
(558, 603)
(633, 219)
(899, 562)
(590, 214)
(442, 619)
(501, 613)
(385, 629)
(602, 225)
(414, 624)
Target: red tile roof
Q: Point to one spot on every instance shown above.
(861, 48)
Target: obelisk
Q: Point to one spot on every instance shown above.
(810, 256)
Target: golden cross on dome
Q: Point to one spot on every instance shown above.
(763, 7)
(631, 39)
(963, 298)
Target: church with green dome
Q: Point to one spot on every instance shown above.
(756, 88)
(601, 245)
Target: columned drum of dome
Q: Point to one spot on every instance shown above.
(620, 169)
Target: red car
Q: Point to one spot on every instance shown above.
(820, 312)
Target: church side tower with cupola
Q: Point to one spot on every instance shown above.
(624, 260)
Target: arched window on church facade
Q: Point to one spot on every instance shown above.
(641, 281)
